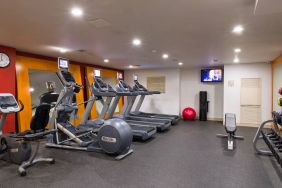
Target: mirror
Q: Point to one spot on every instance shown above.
(37, 82)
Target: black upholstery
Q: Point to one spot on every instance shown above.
(49, 97)
(41, 117)
(52, 98)
(37, 125)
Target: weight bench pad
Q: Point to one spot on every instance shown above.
(230, 122)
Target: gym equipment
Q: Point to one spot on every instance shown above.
(189, 114)
(161, 124)
(112, 136)
(143, 92)
(100, 89)
(230, 127)
(16, 148)
(279, 101)
(272, 137)
(280, 90)
(204, 106)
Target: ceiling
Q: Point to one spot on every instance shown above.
(196, 32)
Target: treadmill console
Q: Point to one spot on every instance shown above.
(99, 84)
(8, 103)
(124, 86)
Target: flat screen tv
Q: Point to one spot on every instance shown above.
(211, 75)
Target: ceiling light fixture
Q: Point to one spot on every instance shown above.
(236, 60)
(180, 63)
(238, 29)
(63, 50)
(31, 89)
(77, 12)
(237, 50)
(165, 56)
(106, 61)
(59, 49)
(130, 66)
(136, 42)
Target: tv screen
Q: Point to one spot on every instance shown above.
(211, 75)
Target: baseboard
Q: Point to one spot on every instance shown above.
(215, 119)
(247, 125)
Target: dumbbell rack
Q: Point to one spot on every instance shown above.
(274, 143)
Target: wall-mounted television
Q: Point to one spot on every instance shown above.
(212, 75)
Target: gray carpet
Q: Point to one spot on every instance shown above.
(189, 155)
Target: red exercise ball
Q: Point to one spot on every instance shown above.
(280, 91)
(189, 114)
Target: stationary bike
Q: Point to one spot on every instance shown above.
(10, 150)
(16, 148)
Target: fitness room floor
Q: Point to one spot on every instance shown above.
(189, 155)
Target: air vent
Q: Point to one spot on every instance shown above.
(98, 23)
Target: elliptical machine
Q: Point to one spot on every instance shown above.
(112, 136)
(16, 148)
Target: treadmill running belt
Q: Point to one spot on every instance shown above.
(142, 128)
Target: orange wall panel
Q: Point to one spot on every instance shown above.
(22, 65)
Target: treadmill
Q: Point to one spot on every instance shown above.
(123, 88)
(143, 92)
(100, 89)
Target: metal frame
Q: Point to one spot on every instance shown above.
(33, 160)
(230, 135)
(258, 136)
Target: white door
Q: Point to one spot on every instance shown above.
(250, 101)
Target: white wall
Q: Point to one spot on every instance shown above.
(167, 102)
(191, 85)
(232, 94)
(182, 90)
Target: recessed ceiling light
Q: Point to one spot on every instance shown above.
(31, 89)
(136, 42)
(63, 50)
(77, 12)
(165, 56)
(180, 63)
(236, 60)
(59, 49)
(237, 50)
(238, 29)
(106, 61)
(130, 66)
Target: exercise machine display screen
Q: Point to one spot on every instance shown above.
(7, 101)
(63, 63)
(119, 76)
(135, 77)
(97, 73)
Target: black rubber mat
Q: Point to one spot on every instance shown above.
(189, 155)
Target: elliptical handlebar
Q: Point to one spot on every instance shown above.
(21, 106)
